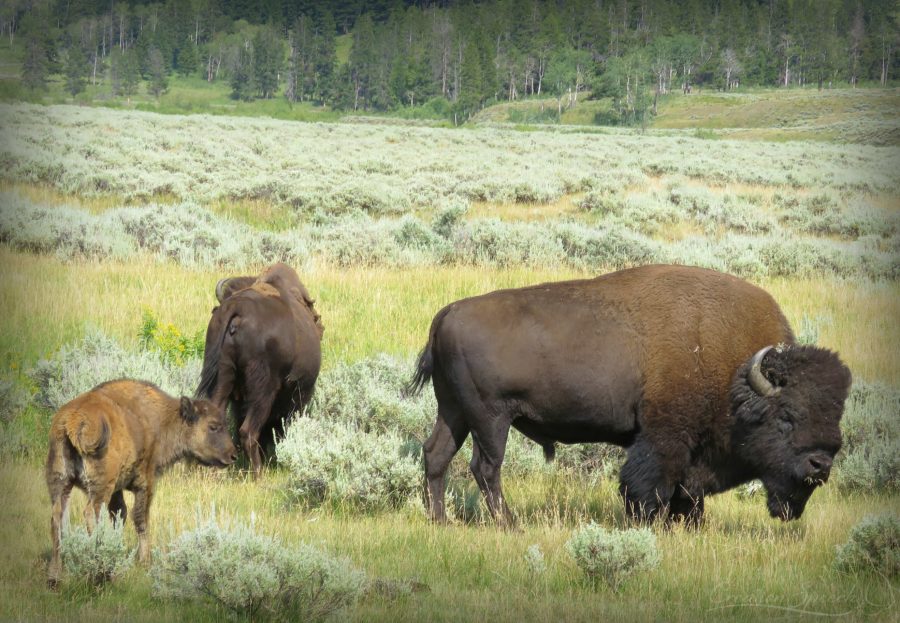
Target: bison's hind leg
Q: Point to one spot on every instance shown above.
(487, 458)
(447, 436)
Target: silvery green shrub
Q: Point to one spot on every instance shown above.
(612, 556)
(254, 575)
(97, 557)
(13, 431)
(343, 463)
(534, 560)
(13, 399)
(80, 366)
(870, 456)
(873, 545)
(370, 394)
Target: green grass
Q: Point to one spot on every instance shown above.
(46, 303)
(741, 566)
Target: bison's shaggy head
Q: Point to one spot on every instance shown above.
(787, 406)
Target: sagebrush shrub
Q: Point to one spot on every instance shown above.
(97, 557)
(612, 556)
(96, 358)
(870, 455)
(13, 399)
(255, 575)
(344, 463)
(534, 560)
(873, 545)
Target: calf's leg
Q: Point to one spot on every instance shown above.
(59, 501)
(117, 507)
(139, 513)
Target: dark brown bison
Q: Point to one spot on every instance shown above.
(120, 436)
(262, 354)
(657, 359)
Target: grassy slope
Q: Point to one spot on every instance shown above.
(856, 115)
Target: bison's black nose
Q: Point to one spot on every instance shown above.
(818, 466)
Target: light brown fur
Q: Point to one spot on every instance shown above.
(120, 436)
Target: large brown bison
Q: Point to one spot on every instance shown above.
(120, 436)
(262, 354)
(696, 372)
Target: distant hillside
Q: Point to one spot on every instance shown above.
(869, 116)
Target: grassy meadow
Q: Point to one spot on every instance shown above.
(105, 214)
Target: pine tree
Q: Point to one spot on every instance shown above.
(156, 67)
(471, 88)
(268, 58)
(34, 65)
(188, 58)
(240, 76)
(76, 70)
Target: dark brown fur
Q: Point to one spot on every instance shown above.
(643, 358)
(263, 353)
(120, 436)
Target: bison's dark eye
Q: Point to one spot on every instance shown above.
(785, 425)
(214, 428)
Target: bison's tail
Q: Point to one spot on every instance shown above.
(218, 328)
(88, 432)
(425, 362)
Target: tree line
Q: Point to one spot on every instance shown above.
(457, 56)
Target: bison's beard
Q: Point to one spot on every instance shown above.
(787, 500)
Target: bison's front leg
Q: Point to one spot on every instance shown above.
(645, 481)
(139, 513)
(686, 507)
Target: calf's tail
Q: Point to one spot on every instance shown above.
(88, 432)
(425, 362)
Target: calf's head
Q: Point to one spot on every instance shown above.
(208, 438)
(787, 406)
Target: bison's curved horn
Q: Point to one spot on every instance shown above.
(219, 287)
(755, 377)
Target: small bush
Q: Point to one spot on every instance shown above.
(534, 560)
(872, 545)
(96, 358)
(343, 463)
(255, 575)
(98, 557)
(613, 556)
(870, 457)
(370, 394)
(13, 400)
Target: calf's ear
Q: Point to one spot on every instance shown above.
(188, 414)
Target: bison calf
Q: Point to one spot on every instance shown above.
(121, 435)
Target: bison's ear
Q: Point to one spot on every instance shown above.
(188, 413)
